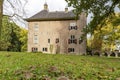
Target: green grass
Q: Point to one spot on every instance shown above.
(38, 66)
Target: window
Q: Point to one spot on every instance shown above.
(48, 40)
(72, 40)
(34, 49)
(71, 50)
(80, 41)
(57, 40)
(35, 39)
(73, 26)
(36, 27)
(45, 49)
(72, 36)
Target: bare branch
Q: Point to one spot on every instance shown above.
(17, 12)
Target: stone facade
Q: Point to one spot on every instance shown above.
(57, 36)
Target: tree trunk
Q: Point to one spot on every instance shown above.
(1, 13)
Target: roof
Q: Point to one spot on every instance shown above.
(45, 15)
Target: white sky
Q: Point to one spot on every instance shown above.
(35, 6)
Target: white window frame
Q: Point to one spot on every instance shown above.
(73, 25)
(35, 39)
(36, 27)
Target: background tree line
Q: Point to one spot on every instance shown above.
(106, 38)
(13, 38)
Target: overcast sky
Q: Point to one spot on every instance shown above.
(35, 6)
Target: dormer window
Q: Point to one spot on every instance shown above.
(73, 26)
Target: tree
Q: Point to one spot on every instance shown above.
(112, 32)
(5, 37)
(107, 37)
(1, 11)
(13, 38)
(23, 39)
(16, 10)
(100, 9)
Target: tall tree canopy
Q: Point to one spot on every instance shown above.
(13, 38)
(15, 9)
(1, 11)
(108, 37)
(100, 9)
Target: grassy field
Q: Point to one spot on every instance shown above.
(38, 66)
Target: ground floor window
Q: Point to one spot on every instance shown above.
(45, 49)
(71, 50)
(34, 49)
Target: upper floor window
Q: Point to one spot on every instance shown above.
(72, 36)
(48, 40)
(57, 40)
(72, 40)
(36, 27)
(80, 41)
(35, 39)
(73, 26)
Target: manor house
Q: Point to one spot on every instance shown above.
(56, 32)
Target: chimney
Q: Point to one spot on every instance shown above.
(66, 9)
(45, 6)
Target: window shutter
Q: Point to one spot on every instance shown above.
(73, 50)
(80, 41)
(75, 41)
(68, 49)
(45, 49)
(69, 41)
(32, 49)
(69, 27)
(57, 40)
(76, 27)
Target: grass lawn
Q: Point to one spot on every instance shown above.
(38, 66)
